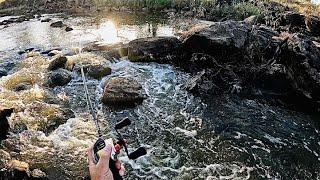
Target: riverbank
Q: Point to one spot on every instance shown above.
(227, 99)
(207, 10)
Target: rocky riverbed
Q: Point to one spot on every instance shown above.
(209, 100)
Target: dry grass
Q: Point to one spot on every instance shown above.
(28, 76)
(37, 62)
(302, 6)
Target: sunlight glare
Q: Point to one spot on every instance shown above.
(108, 33)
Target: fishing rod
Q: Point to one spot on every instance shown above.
(120, 143)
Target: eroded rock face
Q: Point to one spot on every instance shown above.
(123, 91)
(302, 58)
(159, 49)
(58, 77)
(296, 22)
(235, 57)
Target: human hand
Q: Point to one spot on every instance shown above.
(101, 170)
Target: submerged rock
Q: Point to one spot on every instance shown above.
(159, 49)
(46, 20)
(58, 24)
(58, 77)
(123, 91)
(68, 29)
(57, 62)
(3, 72)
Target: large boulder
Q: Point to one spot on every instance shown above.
(4, 124)
(123, 91)
(58, 77)
(222, 40)
(159, 49)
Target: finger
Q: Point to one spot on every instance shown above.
(122, 170)
(104, 155)
(118, 164)
(89, 155)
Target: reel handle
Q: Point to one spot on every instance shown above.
(98, 145)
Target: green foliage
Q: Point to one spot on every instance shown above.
(245, 9)
(237, 11)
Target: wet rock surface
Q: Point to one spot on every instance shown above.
(58, 24)
(4, 124)
(98, 71)
(57, 62)
(3, 72)
(122, 91)
(58, 77)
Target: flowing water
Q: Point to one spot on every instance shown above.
(225, 137)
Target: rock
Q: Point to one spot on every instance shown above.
(54, 53)
(251, 20)
(98, 71)
(102, 47)
(275, 80)
(22, 86)
(19, 165)
(292, 18)
(313, 25)
(16, 170)
(38, 174)
(33, 54)
(46, 20)
(58, 24)
(4, 124)
(3, 72)
(57, 62)
(301, 58)
(159, 49)
(4, 158)
(58, 77)
(299, 22)
(123, 91)
(57, 119)
(200, 61)
(68, 29)
(224, 41)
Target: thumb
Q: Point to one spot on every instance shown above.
(104, 155)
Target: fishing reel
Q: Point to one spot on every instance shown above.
(118, 145)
